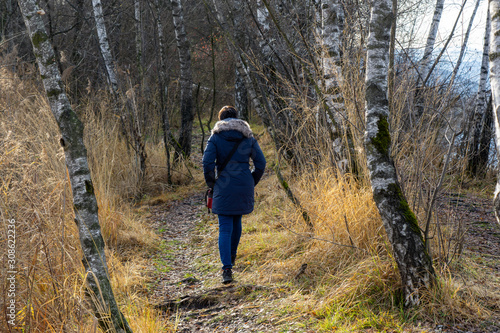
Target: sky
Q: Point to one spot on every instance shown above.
(450, 12)
(472, 59)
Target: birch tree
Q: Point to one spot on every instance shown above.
(240, 36)
(163, 87)
(84, 200)
(403, 231)
(104, 46)
(242, 68)
(431, 39)
(494, 8)
(464, 44)
(186, 78)
(132, 119)
(329, 18)
(265, 28)
(240, 96)
(480, 107)
(138, 36)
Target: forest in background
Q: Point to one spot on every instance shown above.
(146, 79)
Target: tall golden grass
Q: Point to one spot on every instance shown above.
(351, 281)
(35, 192)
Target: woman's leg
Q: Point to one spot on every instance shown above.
(225, 232)
(236, 235)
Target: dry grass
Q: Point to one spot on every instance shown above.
(350, 283)
(35, 192)
(347, 289)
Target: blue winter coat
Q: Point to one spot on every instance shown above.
(234, 189)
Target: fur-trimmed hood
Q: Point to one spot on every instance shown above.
(233, 124)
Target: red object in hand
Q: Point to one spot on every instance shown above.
(210, 199)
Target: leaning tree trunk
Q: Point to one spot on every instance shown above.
(431, 39)
(84, 201)
(186, 78)
(473, 159)
(104, 46)
(464, 44)
(133, 120)
(494, 7)
(414, 263)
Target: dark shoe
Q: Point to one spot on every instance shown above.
(227, 275)
(233, 259)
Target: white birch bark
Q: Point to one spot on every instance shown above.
(480, 108)
(240, 36)
(329, 26)
(84, 201)
(104, 46)
(431, 38)
(265, 26)
(330, 18)
(464, 44)
(242, 68)
(240, 96)
(186, 78)
(494, 7)
(415, 265)
(263, 17)
(163, 78)
(138, 35)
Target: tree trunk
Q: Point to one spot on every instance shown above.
(414, 263)
(481, 105)
(240, 37)
(84, 201)
(494, 7)
(329, 27)
(330, 18)
(240, 96)
(132, 119)
(264, 25)
(138, 36)
(186, 78)
(431, 39)
(428, 69)
(329, 23)
(163, 85)
(485, 140)
(464, 44)
(104, 46)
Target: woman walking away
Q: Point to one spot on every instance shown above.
(229, 149)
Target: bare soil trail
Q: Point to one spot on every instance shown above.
(190, 288)
(188, 282)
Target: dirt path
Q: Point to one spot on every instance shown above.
(189, 288)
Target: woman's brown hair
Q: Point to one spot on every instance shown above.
(228, 111)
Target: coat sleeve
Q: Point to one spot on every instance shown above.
(209, 157)
(259, 161)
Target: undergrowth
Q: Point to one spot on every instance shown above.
(36, 193)
(351, 282)
(340, 273)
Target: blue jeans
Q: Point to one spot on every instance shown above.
(229, 238)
